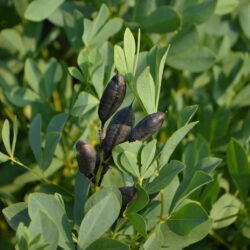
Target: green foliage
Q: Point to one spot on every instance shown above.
(186, 186)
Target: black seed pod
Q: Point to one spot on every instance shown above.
(147, 126)
(112, 98)
(86, 158)
(128, 194)
(118, 129)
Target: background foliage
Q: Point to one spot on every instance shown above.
(56, 58)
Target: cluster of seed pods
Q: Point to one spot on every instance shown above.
(120, 129)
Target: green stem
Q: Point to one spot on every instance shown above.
(118, 228)
(29, 169)
(162, 207)
(219, 239)
(40, 176)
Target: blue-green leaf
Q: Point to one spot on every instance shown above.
(6, 136)
(16, 213)
(145, 88)
(35, 139)
(40, 9)
(98, 220)
(173, 141)
(238, 167)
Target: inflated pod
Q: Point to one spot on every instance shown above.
(112, 97)
(128, 194)
(147, 126)
(86, 158)
(118, 130)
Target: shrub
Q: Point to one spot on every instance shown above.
(124, 124)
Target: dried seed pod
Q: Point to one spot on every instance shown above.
(118, 129)
(112, 98)
(147, 126)
(128, 193)
(86, 158)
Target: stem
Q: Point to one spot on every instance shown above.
(40, 176)
(117, 229)
(29, 169)
(162, 207)
(219, 239)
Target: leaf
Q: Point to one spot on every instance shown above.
(51, 76)
(186, 115)
(32, 74)
(142, 9)
(57, 123)
(35, 139)
(14, 40)
(186, 38)
(16, 213)
(193, 152)
(145, 88)
(208, 164)
(225, 6)
(107, 31)
(55, 211)
(166, 175)
(6, 136)
(188, 186)
(139, 202)
(160, 73)
(163, 19)
(129, 50)
(225, 211)
(84, 103)
(82, 186)
(73, 26)
(242, 99)
(238, 167)
(138, 223)
(119, 60)
(197, 11)
(172, 240)
(97, 196)
(21, 96)
(107, 244)
(244, 19)
(41, 225)
(98, 220)
(186, 218)
(15, 133)
(75, 72)
(3, 157)
(51, 141)
(173, 141)
(39, 10)
(91, 28)
(154, 240)
(129, 163)
(195, 59)
(22, 237)
(147, 156)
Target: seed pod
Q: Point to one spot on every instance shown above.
(118, 129)
(128, 193)
(112, 98)
(147, 126)
(86, 158)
